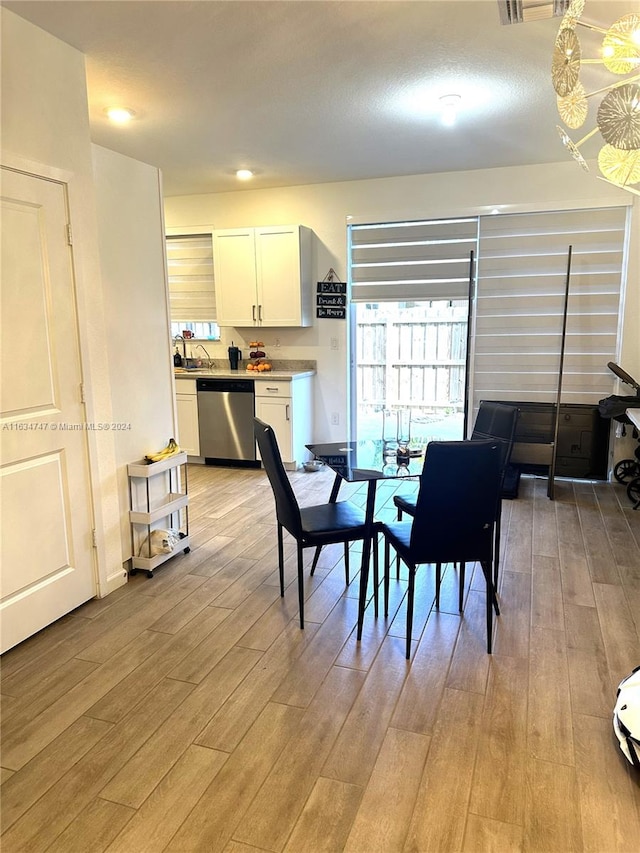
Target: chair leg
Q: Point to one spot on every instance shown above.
(386, 576)
(376, 573)
(491, 602)
(494, 599)
(410, 595)
(461, 587)
(316, 557)
(397, 555)
(281, 560)
(300, 586)
(438, 582)
(496, 548)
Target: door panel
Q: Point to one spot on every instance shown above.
(276, 413)
(278, 262)
(47, 551)
(234, 263)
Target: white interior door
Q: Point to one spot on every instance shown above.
(46, 516)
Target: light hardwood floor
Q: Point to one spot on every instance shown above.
(189, 712)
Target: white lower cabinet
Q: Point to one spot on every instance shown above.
(286, 405)
(187, 409)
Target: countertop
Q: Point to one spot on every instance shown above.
(242, 373)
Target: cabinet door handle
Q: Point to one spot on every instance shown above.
(253, 312)
(286, 408)
(260, 313)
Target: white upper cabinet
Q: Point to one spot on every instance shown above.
(263, 276)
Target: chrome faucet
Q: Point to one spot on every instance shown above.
(184, 345)
(199, 346)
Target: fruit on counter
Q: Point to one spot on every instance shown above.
(170, 450)
(261, 367)
(255, 344)
(258, 353)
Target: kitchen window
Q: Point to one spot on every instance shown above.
(192, 294)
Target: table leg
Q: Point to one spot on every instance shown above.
(333, 497)
(366, 554)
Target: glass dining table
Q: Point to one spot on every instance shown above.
(365, 461)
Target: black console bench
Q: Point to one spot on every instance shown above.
(583, 440)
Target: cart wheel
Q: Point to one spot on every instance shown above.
(149, 574)
(133, 572)
(625, 470)
(633, 492)
(186, 550)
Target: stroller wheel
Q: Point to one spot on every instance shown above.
(626, 470)
(633, 492)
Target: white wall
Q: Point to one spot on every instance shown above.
(326, 207)
(45, 130)
(132, 262)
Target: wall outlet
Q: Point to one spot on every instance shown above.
(334, 343)
(277, 343)
(335, 419)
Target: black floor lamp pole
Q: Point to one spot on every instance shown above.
(554, 453)
(468, 355)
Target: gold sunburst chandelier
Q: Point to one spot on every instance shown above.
(618, 114)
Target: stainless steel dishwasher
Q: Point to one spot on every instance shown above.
(226, 410)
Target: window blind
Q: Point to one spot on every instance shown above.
(522, 267)
(406, 261)
(191, 285)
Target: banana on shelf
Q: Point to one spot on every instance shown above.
(170, 450)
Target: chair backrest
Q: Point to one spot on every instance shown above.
(497, 420)
(457, 502)
(287, 508)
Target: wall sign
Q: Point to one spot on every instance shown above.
(331, 298)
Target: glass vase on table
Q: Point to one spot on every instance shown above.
(403, 434)
(389, 433)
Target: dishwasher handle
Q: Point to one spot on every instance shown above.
(237, 386)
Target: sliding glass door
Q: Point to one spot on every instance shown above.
(410, 310)
(410, 285)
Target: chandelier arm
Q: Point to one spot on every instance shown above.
(588, 136)
(613, 86)
(619, 186)
(592, 27)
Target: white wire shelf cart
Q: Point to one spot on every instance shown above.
(150, 503)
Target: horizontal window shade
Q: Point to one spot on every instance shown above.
(411, 261)
(522, 267)
(191, 284)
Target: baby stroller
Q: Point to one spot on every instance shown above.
(615, 407)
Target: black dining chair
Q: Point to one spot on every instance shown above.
(454, 519)
(311, 526)
(497, 421)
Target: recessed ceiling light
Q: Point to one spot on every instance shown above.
(119, 115)
(449, 106)
(244, 174)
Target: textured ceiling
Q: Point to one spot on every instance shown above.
(309, 92)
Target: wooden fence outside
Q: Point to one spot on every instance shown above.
(418, 365)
